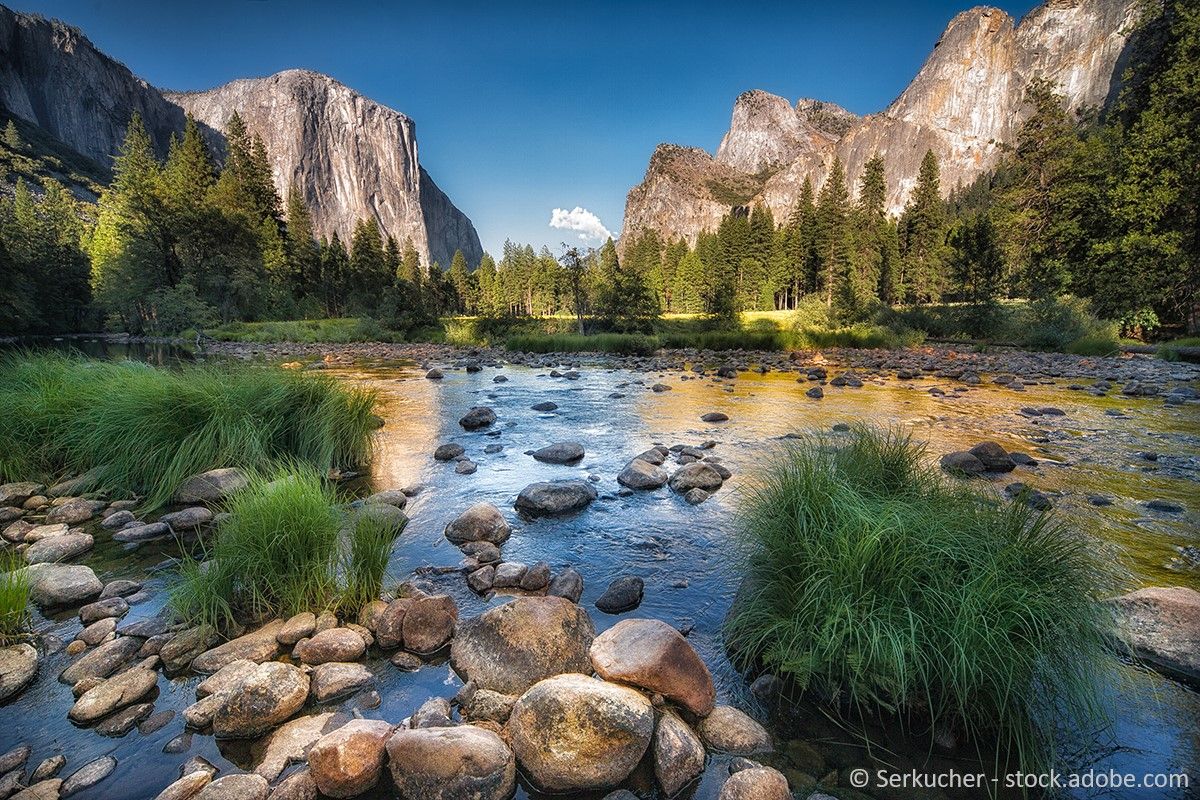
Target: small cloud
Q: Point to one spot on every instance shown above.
(580, 219)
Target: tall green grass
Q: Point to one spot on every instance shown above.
(145, 429)
(335, 330)
(285, 548)
(14, 599)
(619, 343)
(875, 584)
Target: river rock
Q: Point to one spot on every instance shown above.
(567, 584)
(560, 453)
(103, 661)
(714, 416)
(297, 786)
(509, 574)
(146, 532)
(641, 474)
(1162, 627)
(348, 761)
(698, 475)
(179, 652)
(678, 754)
(211, 486)
(288, 744)
(226, 678)
(14, 494)
(459, 763)
(123, 721)
(187, 518)
(236, 787)
(448, 451)
(575, 733)
(482, 522)
(429, 623)
(484, 704)
(18, 665)
(389, 626)
(36, 533)
(385, 515)
(536, 577)
(732, 731)
(623, 594)
(117, 692)
(117, 520)
(58, 585)
(59, 548)
(186, 787)
(481, 580)
(545, 406)
(98, 631)
(335, 679)
(960, 462)
(477, 418)
(549, 498)
(112, 607)
(756, 783)
(993, 457)
(70, 513)
(49, 789)
(335, 644)
(88, 775)
(510, 647)
(265, 698)
(301, 626)
(651, 655)
(119, 588)
(257, 646)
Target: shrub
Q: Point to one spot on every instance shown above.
(1098, 344)
(14, 599)
(145, 429)
(1054, 323)
(876, 583)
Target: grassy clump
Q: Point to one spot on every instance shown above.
(145, 429)
(14, 599)
(337, 330)
(876, 584)
(282, 552)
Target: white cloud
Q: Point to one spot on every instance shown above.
(580, 219)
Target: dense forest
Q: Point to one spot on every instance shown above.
(1101, 207)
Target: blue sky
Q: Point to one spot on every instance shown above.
(522, 108)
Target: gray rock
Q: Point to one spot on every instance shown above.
(103, 661)
(679, 754)
(962, 463)
(212, 486)
(466, 467)
(699, 475)
(641, 474)
(117, 692)
(88, 775)
(57, 585)
(236, 787)
(103, 609)
(70, 513)
(480, 522)
(560, 453)
(567, 584)
(545, 406)
(1162, 626)
(336, 679)
(434, 374)
(714, 416)
(14, 494)
(731, 731)
(187, 518)
(448, 451)
(550, 498)
(536, 577)
(18, 665)
(509, 574)
(265, 698)
(993, 457)
(477, 418)
(58, 548)
(481, 579)
(118, 520)
(695, 497)
(146, 532)
(391, 497)
(623, 594)
(458, 763)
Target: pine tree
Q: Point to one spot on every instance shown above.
(12, 138)
(923, 238)
(303, 252)
(623, 299)
(871, 243)
(832, 235)
(459, 277)
(491, 301)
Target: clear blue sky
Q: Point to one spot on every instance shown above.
(526, 107)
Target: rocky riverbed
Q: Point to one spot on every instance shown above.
(601, 492)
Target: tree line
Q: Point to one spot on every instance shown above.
(1102, 207)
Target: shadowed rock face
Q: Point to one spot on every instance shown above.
(351, 157)
(966, 102)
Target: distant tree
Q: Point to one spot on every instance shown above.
(303, 252)
(977, 266)
(624, 302)
(574, 262)
(832, 235)
(12, 138)
(460, 279)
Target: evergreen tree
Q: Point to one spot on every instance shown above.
(335, 264)
(832, 235)
(923, 238)
(977, 260)
(491, 300)
(460, 279)
(303, 252)
(12, 138)
(624, 301)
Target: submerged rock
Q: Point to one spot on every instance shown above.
(575, 733)
(1162, 626)
(88, 775)
(513, 646)
(560, 453)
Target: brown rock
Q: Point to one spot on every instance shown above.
(335, 644)
(459, 763)
(257, 646)
(756, 783)
(651, 655)
(678, 754)
(429, 623)
(732, 731)
(349, 761)
(265, 698)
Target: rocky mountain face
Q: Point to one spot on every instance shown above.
(350, 157)
(965, 104)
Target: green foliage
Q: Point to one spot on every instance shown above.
(1054, 323)
(921, 276)
(628, 344)
(14, 599)
(624, 301)
(276, 555)
(875, 583)
(144, 429)
(366, 560)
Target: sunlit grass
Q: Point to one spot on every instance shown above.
(877, 585)
(366, 560)
(145, 429)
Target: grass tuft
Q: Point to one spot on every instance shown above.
(145, 429)
(366, 560)
(876, 584)
(14, 599)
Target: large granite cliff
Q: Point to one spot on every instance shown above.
(965, 104)
(350, 156)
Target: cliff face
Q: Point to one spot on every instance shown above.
(350, 157)
(966, 102)
(51, 75)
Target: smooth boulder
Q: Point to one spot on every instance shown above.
(732, 731)
(1161, 625)
(58, 585)
(679, 754)
(211, 486)
(18, 665)
(756, 783)
(560, 453)
(641, 474)
(510, 647)
(575, 733)
(349, 761)
(264, 699)
(651, 655)
(697, 475)
(464, 762)
(482, 522)
(551, 498)
(477, 418)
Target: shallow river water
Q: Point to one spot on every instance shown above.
(688, 555)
